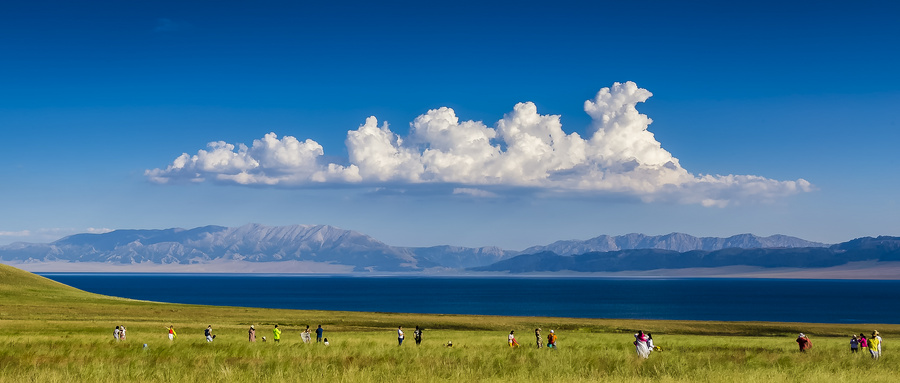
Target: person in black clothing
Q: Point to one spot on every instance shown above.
(208, 333)
(418, 335)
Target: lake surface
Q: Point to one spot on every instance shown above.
(824, 301)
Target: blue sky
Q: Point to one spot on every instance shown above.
(99, 99)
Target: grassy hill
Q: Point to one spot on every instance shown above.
(16, 284)
(50, 332)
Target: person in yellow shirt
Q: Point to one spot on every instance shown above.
(874, 342)
(172, 333)
(276, 333)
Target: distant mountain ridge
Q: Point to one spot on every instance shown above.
(330, 245)
(253, 243)
(880, 249)
(675, 241)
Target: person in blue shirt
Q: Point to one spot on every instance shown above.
(319, 332)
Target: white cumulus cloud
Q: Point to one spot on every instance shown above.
(524, 149)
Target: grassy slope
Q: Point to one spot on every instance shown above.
(52, 332)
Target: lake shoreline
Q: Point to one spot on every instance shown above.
(869, 270)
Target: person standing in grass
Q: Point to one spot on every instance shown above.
(551, 340)
(399, 336)
(418, 335)
(874, 344)
(172, 333)
(804, 342)
(276, 334)
(251, 333)
(307, 337)
(863, 342)
(208, 333)
(640, 344)
(319, 332)
(877, 336)
(512, 339)
(116, 333)
(122, 333)
(537, 336)
(854, 344)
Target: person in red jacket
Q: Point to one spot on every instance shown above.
(804, 342)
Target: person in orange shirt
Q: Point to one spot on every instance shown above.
(551, 340)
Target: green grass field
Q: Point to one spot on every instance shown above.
(50, 332)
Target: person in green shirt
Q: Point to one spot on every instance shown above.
(277, 333)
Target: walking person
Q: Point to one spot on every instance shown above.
(251, 333)
(649, 342)
(399, 336)
(874, 344)
(276, 334)
(537, 336)
(512, 339)
(640, 345)
(551, 340)
(854, 344)
(863, 342)
(418, 335)
(880, 341)
(804, 342)
(116, 333)
(319, 332)
(172, 333)
(208, 334)
(122, 333)
(306, 335)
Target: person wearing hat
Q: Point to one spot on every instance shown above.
(875, 345)
(804, 342)
(877, 336)
(551, 340)
(252, 333)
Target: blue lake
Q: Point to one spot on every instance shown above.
(824, 301)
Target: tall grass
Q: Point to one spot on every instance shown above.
(66, 352)
(53, 333)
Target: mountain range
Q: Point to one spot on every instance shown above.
(674, 241)
(880, 249)
(353, 251)
(249, 243)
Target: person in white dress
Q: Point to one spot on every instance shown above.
(640, 344)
